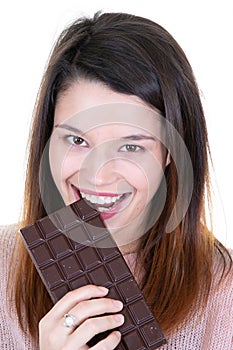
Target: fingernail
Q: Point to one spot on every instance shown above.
(119, 318)
(118, 334)
(103, 289)
(118, 304)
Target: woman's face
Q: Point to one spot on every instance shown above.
(106, 147)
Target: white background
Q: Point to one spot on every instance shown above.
(29, 28)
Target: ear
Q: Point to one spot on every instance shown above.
(168, 158)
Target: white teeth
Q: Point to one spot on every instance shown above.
(103, 209)
(100, 199)
(109, 200)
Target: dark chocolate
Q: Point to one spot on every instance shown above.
(72, 248)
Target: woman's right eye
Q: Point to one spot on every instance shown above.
(76, 141)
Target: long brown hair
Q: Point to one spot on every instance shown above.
(136, 56)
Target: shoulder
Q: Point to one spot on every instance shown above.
(223, 269)
(219, 310)
(7, 235)
(210, 327)
(222, 282)
(7, 231)
(11, 335)
(7, 241)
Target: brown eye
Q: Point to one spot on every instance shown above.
(131, 148)
(76, 140)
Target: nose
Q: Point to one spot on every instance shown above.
(100, 167)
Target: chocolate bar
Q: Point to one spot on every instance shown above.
(72, 248)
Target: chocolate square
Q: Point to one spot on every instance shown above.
(72, 248)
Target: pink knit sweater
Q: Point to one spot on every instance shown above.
(212, 331)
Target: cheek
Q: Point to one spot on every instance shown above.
(145, 177)
(71, 165)
(63, 163)
(55, 160)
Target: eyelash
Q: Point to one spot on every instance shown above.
(71, 138)
(134, 148)
(139, 148)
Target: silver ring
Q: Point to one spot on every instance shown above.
(69, 321)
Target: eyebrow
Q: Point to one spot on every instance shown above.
(136, 137)
(69, 127)
(139, 137)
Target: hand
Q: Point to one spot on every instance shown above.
(83, 303)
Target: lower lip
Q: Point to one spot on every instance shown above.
(107, 214)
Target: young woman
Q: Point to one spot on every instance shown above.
(120, 113)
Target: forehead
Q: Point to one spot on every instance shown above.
(116, 119)
(83, 95)
(89, 105)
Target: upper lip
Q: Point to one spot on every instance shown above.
(94, 193)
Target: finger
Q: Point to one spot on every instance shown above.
(89, 328)
(73, 297)
(94, 307)
(109, 343)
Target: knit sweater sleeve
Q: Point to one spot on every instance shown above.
(11, 336)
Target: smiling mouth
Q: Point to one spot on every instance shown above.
(102, 203)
